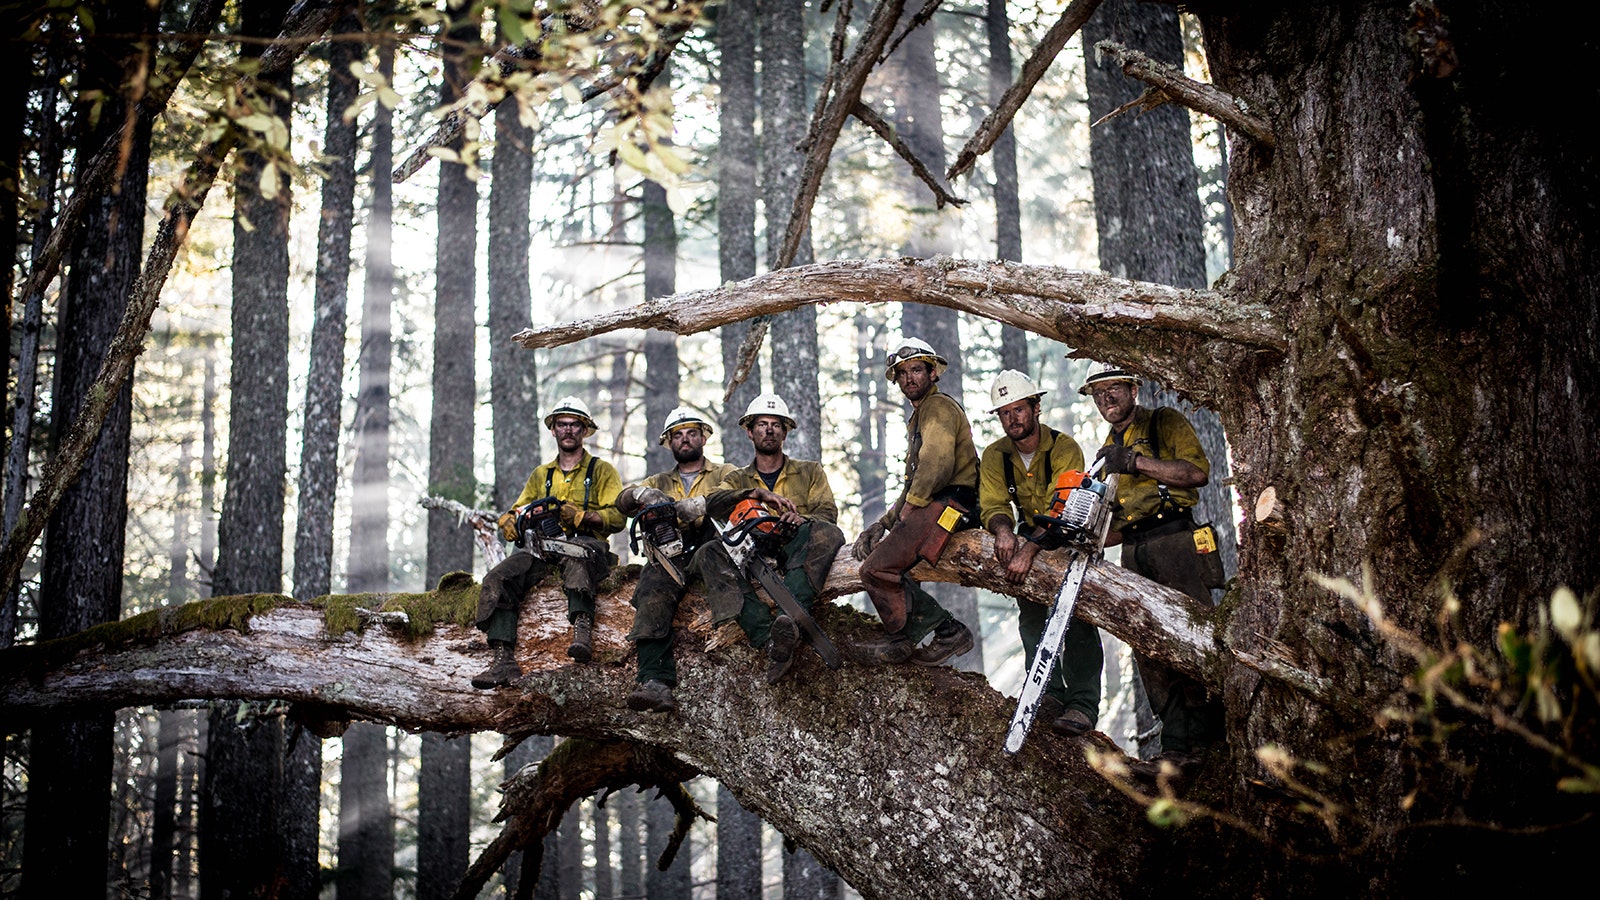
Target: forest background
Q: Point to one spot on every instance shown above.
(587, 226)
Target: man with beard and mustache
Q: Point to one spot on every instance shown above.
(941, 479)
(655, 598)
(804, 560)
(1016, 479)
(587, 488)
(1163, 468)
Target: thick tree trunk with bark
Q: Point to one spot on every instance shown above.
(736, 198)
(660, 348)
(784, 101)
(513, 376)
(69, 786)
(443, 807)
(245, 762)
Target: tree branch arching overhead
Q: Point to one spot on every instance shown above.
(1159, 326)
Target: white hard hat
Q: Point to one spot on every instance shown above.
(680, 417)
(572, 406)
(767, 405)
(1010, 386)
(914, 348)
(1106, 374)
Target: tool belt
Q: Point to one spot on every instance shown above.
(1158, 525)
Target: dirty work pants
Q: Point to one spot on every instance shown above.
(902, 604)
(503, 588)
(1189, 721)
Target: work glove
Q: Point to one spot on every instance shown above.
(868, 540)
(691, 509)
(636, 498)
(508, 526)
(1119, 459)
(571, 516)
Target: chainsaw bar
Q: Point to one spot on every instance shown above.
(792, 608)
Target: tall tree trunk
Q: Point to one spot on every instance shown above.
(1147, 206)
(784, 113)
(604, 889)
(319, 447)
(366, 822)
(443, 805)
(914, 81)
(872, 467)
(738, 849)
(69, 785)
(736, 198)
(1007, 206)
(47, 128)
(513, 372)
(369, 496)
(660, 347)
(244, 844)
(630, 844)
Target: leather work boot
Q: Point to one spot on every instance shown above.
(502, 670)
(780, 647)
(652, 696)
(582, 647)
(1072, 723)
(1181, 767)
(951, 638)
(892, 650)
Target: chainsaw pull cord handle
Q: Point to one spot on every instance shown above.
(1094, 470)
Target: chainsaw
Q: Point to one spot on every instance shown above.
(662, 539)
(539, 531)
(1078, 519)
(754, 537)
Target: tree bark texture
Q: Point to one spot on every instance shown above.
(443, 807)
(69, 788)
(736, 198)
(784, 103)
(366, 822)
(444, 812)
(660, 348)
(369, 494)
(245, 854)
(450, 427)
(1003, 157)
(738, 849)
(513, 376)
(324, 409)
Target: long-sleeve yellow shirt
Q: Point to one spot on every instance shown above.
(599, 495)
(801, 481)
(1056, 453)
(939, 453)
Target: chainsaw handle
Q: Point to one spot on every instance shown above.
(736, 534)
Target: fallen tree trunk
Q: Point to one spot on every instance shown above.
(920, 781)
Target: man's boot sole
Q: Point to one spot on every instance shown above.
(953, 651)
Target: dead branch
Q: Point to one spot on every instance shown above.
(314, 17)
(872, 120)
(94, 178)
(994, 124)
(825, 128)
(535, 798)
(1080, 309)
(1184, 91)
